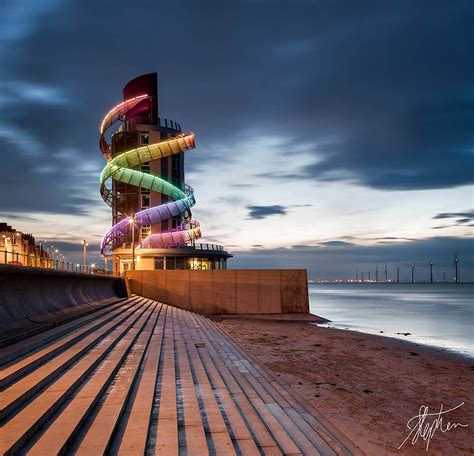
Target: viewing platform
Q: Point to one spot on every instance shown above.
(141, 377)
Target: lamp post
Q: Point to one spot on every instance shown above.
(40, 256)
(132, 223)
(13, 247)
(85, 244)
(18, 243)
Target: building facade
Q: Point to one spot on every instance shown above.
(143, 182)
(20, 249)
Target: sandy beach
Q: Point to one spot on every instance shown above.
(368, 386)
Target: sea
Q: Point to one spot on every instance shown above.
(439, 315)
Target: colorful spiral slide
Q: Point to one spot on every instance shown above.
(123, 168)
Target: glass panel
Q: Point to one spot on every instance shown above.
(159, 262)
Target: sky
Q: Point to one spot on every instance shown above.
(332, 136)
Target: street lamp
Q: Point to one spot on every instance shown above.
(84, 244)
(132, 223)
(13, 247)
(40, 256)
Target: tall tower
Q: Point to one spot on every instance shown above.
(143, 182)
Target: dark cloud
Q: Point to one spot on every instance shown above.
(467, 215)
(336, 243)
(380, 94)
(261, 212)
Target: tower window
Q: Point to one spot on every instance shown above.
(145, 231)
(145, 167)
(145, 201)
(144, 138)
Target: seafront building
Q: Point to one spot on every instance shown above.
(143, 182)
(20, 249)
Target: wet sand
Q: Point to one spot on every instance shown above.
(368, 386)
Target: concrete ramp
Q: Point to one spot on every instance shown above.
(31, 297)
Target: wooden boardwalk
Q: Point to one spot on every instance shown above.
(141, 377)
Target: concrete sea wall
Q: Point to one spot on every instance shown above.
(29, 293)
(238, 291)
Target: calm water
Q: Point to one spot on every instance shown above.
(440, 315)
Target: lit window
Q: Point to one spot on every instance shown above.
(145, 231)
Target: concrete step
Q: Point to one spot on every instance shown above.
(236, 427)
(120, 365)
(28, 421)
(19, 392)
(36, 358)
(148, 378)
(321, 433)
(134, 432)
(31, 326)
(30, 343)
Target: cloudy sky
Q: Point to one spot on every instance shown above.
(332, 135)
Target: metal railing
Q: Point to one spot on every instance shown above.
(15, 258)
(167, 123)
(196, 246)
